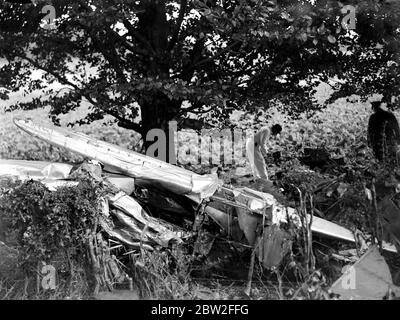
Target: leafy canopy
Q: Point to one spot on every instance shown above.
(164, 59)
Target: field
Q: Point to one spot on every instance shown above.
(338, 128)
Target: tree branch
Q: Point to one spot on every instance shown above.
(110, 56)
(227, 48)
(195, 56)
(135, 34)
(186, 73)
(200, 112)
(123, 41)
(127, 45)
(195, 105)
(131, 126)
(122, 121)
(178, 25)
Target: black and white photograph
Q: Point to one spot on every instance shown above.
(199, 157)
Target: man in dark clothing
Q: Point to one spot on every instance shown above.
(383, 133)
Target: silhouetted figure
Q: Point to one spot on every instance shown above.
(383, 133)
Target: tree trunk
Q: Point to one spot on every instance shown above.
(156, 114)
(157, 109)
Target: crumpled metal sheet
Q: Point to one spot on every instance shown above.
(271, 212)
(53, 185)
(125, 184)
(124, 237)
(133, 164)
(227, 222)
(36, 170)
(279, 214)
(258, 201)
(249, 224)
(52, 174)
(131, 214)
(368, 279)
(272, 243)
(274, 246)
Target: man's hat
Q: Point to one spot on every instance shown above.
(376, 103)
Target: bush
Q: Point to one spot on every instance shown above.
(51, 226)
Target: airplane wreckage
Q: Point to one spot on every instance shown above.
(244, 215)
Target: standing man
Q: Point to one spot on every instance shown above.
(383, 133)
(255, 146)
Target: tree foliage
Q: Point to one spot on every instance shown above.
(50, 223)
(129, 58)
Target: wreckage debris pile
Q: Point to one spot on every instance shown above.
(122, 218)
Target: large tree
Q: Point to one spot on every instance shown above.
(216, 55)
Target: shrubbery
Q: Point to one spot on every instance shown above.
(51, 226)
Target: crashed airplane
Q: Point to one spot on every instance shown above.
(239, 211)
(149, 171)
(248, 216)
